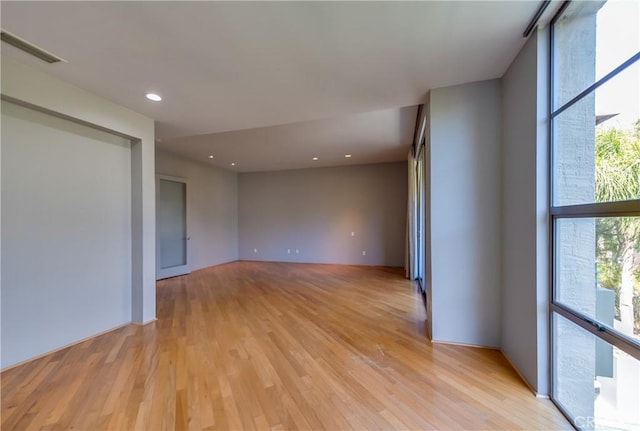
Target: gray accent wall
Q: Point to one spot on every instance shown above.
(465, 235)
(213, 209)
(325, 215)
(525, 275)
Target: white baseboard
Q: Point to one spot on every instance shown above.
(82, 340)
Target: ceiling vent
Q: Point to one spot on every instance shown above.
(29, 48)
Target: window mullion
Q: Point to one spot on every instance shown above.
(596, 84)
(599, 209)
(610, 335)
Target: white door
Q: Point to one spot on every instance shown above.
(173, 251)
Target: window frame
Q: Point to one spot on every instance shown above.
(588, 210)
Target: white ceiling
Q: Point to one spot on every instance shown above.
(344, 72)
(372, 137)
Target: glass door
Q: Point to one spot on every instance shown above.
(172, 235)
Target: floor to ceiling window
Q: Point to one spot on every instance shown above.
(595, 209)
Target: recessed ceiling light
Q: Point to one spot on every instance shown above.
(347, 156)
(314, 159)
(233, 163)
(154, 97)
(210, 156)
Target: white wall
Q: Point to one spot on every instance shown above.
(314, 211)
(213, 209)
(46, 93)
(465, 126)
(525, 234)
(67, 232)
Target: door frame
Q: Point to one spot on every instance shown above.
(181, 269)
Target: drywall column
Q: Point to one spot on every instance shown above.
(143, 230)
(525, 268)
(32, 87)
(465, 213)
(427, 217)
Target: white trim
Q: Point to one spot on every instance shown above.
(144, 323)
(455, 343)
(51, 352)
(526, 382)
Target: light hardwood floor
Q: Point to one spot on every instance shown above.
(252, 345)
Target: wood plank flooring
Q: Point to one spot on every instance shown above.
(251, 345)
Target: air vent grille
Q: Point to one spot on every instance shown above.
(29, 48)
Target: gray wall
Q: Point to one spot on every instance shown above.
(213, 209)
(314, 211)
(525, 233)
(465, 212)
(66, 244)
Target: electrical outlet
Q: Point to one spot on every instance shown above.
(364, 253)
(297, 251)
(288, 251)
(353, 234)
(255, 250)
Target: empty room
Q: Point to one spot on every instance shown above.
(320, 215)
